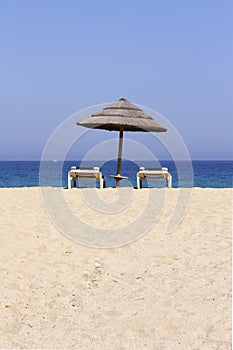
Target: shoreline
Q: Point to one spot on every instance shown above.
(123, 187)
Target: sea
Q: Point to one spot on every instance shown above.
(212, 174)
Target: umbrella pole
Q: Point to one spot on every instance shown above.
(119, 156)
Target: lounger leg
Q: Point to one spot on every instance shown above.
(138, 182)
(69, 181)
(169, 181)
(101, 183)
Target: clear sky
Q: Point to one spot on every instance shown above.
(174, 56)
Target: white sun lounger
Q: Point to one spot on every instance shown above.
(153, 174)
(85, 174)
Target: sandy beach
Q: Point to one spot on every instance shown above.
(162, 291)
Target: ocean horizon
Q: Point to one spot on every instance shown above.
(206, 173)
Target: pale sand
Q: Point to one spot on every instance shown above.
(164, 291)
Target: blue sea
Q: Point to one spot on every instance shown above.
(214, 174)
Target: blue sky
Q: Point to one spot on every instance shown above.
(58, 57)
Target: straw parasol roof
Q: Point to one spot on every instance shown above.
(122, 114)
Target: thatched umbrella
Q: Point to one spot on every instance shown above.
(121, 116)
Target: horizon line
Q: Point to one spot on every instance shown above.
(110, 160)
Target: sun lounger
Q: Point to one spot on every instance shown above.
(153, 174)
(85, 174)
